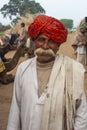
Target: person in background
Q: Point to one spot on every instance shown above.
(81, 42)
(49, 88)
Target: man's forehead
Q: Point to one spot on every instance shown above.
(41, 35)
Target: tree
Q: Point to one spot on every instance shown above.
(68, 23)
(20, 8)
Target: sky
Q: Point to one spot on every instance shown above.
(60, 9)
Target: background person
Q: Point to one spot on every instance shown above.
(80, 43)
(23, 33)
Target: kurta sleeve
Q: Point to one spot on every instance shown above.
(81, 115)
(14, 115)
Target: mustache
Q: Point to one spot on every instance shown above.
(41, 51)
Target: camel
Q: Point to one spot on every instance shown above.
(3, 51)
(8, 47)
(8, 78)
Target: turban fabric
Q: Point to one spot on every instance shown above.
(48, 26)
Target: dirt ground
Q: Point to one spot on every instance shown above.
(6, 91)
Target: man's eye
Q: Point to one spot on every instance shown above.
(51, 41)
(41, 39)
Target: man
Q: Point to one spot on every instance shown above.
(81, 42)
(48, 89)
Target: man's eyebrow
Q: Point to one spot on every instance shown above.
(41, 37)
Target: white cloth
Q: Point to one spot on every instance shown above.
(26, 109)
(81, 58)
(26, 95)
(81, 115)
(81, 49)
(81, 54)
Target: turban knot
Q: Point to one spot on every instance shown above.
(48, 26)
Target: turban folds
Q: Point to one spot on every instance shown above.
(48, 26)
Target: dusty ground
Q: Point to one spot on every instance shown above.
(7, 90)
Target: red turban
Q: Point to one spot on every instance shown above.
(48, 26)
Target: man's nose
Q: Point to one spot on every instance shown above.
(45, 45)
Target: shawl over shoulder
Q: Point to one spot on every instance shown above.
(67, 78)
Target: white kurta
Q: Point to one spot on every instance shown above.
(25, 99)
(26, 109)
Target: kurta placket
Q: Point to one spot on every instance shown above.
(39, 103)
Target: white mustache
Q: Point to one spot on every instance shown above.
(41, 51)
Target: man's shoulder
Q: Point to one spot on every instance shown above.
(25, 64)
(75, 64)
(68, 60)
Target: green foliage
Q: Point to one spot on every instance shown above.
(68, 23)
(1, 34)
(20, 8)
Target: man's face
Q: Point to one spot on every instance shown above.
(45, 48)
